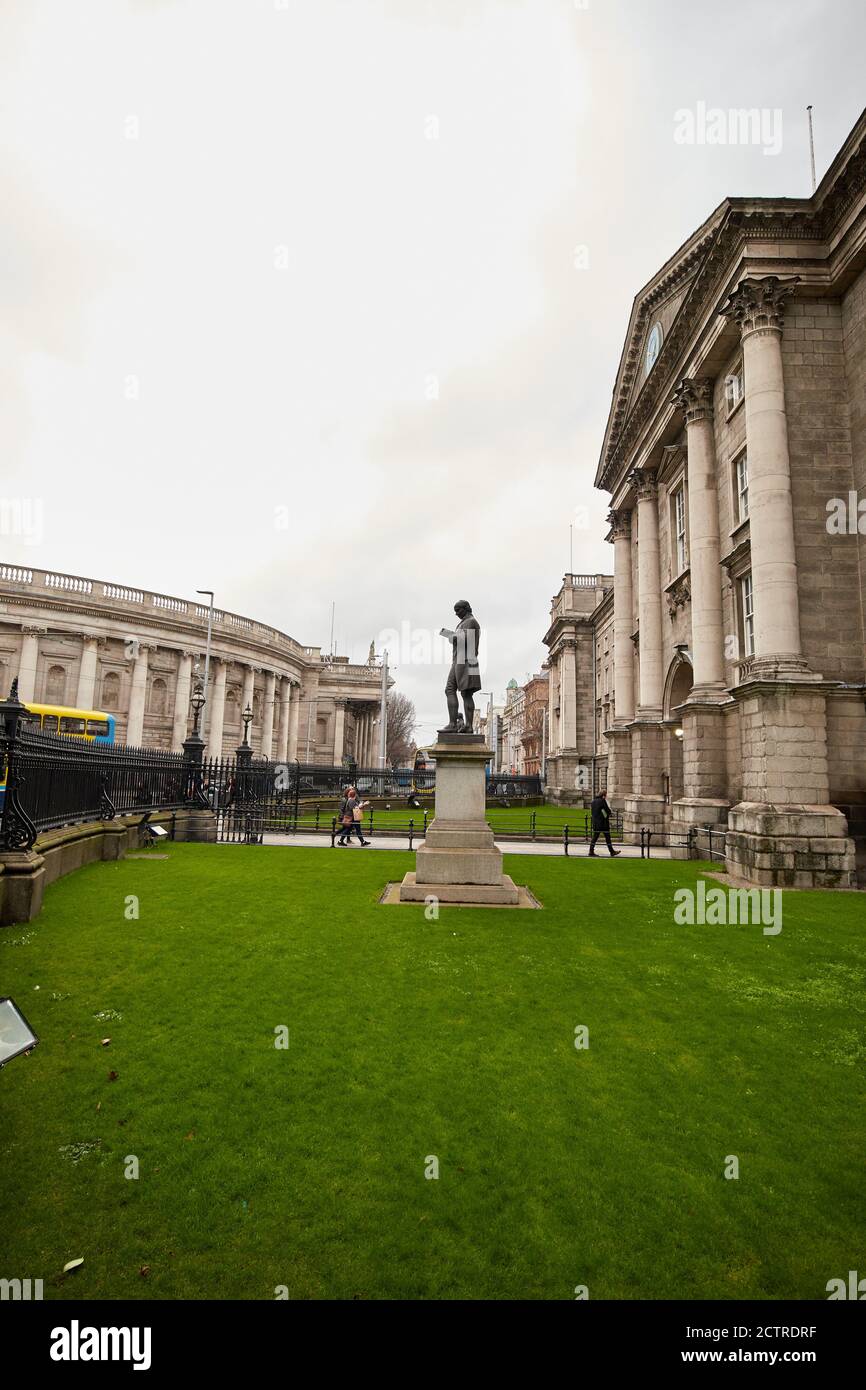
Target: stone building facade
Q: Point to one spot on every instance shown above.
(513, 716)
(96, 645)
(536, 693)
(735, 460)
(574, 753)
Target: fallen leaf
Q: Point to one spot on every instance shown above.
(99, 1105)
(191, 1135)
(72, 1264)
(144, 1271)
(105, 1042)
(112, 1076)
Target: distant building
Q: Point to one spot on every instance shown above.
(576, 753)
(90, 644)
(535, 709)
(512, 729)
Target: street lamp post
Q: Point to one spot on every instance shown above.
(193, 746)
(208, 594)
(383, 715)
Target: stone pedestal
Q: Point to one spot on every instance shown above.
(458, 861)
(703, 803)
(619, 775)
(646, 805)
(784, 832)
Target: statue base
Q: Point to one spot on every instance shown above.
(458, 861)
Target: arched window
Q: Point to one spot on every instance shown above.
(158, 696)
(110, 690)
(55, 686)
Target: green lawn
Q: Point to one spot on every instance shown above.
(455, 1038)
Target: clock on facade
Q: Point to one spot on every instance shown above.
(653, 347)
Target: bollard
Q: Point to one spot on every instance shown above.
(565, 838)
(333, 830)
(411, 831)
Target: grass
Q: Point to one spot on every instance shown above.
(408, 1038)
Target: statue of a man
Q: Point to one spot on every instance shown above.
(464, 675)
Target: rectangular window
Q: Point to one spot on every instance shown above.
(680, 528)
(69, 725)
(734, 388)
(748, 614)
(97, 728)
(741, 475)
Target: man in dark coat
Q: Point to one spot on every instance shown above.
(464, 675)
(600, 813)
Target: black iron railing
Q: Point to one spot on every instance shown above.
(56, 780)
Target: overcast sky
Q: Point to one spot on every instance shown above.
(294, 304)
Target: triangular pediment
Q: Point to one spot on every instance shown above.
(655, 312)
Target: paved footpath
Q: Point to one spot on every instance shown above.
(577, 849)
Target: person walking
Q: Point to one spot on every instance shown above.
(346, 816)
(357, 821)
(600, 814)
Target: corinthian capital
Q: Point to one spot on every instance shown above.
(758, 303)
(644, 483)
(694, 397)
(620, 524)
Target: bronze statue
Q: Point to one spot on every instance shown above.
(464, 675)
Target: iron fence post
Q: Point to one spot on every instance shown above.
(17, 831)
(565, 838)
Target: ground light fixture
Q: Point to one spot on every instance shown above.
(16, 1035)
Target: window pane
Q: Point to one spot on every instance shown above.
(69, 725)
(97, 727)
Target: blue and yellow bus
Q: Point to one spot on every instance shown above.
(93, 725)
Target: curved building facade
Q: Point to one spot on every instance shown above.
(92, 644)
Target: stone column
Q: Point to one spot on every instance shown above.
(694, 397)
(284, 699)
(784, 831)
(294, 713)
(623, 616)
(339, 730)
(646, 805)
(367, 737)
(181, 699)
(618, 738)
(28, 662)
(649, 594)
(757, 305)
(268, 714)
(86, 694)
(138, 693)
(704, 746)
(568, 693)
(217, 707)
